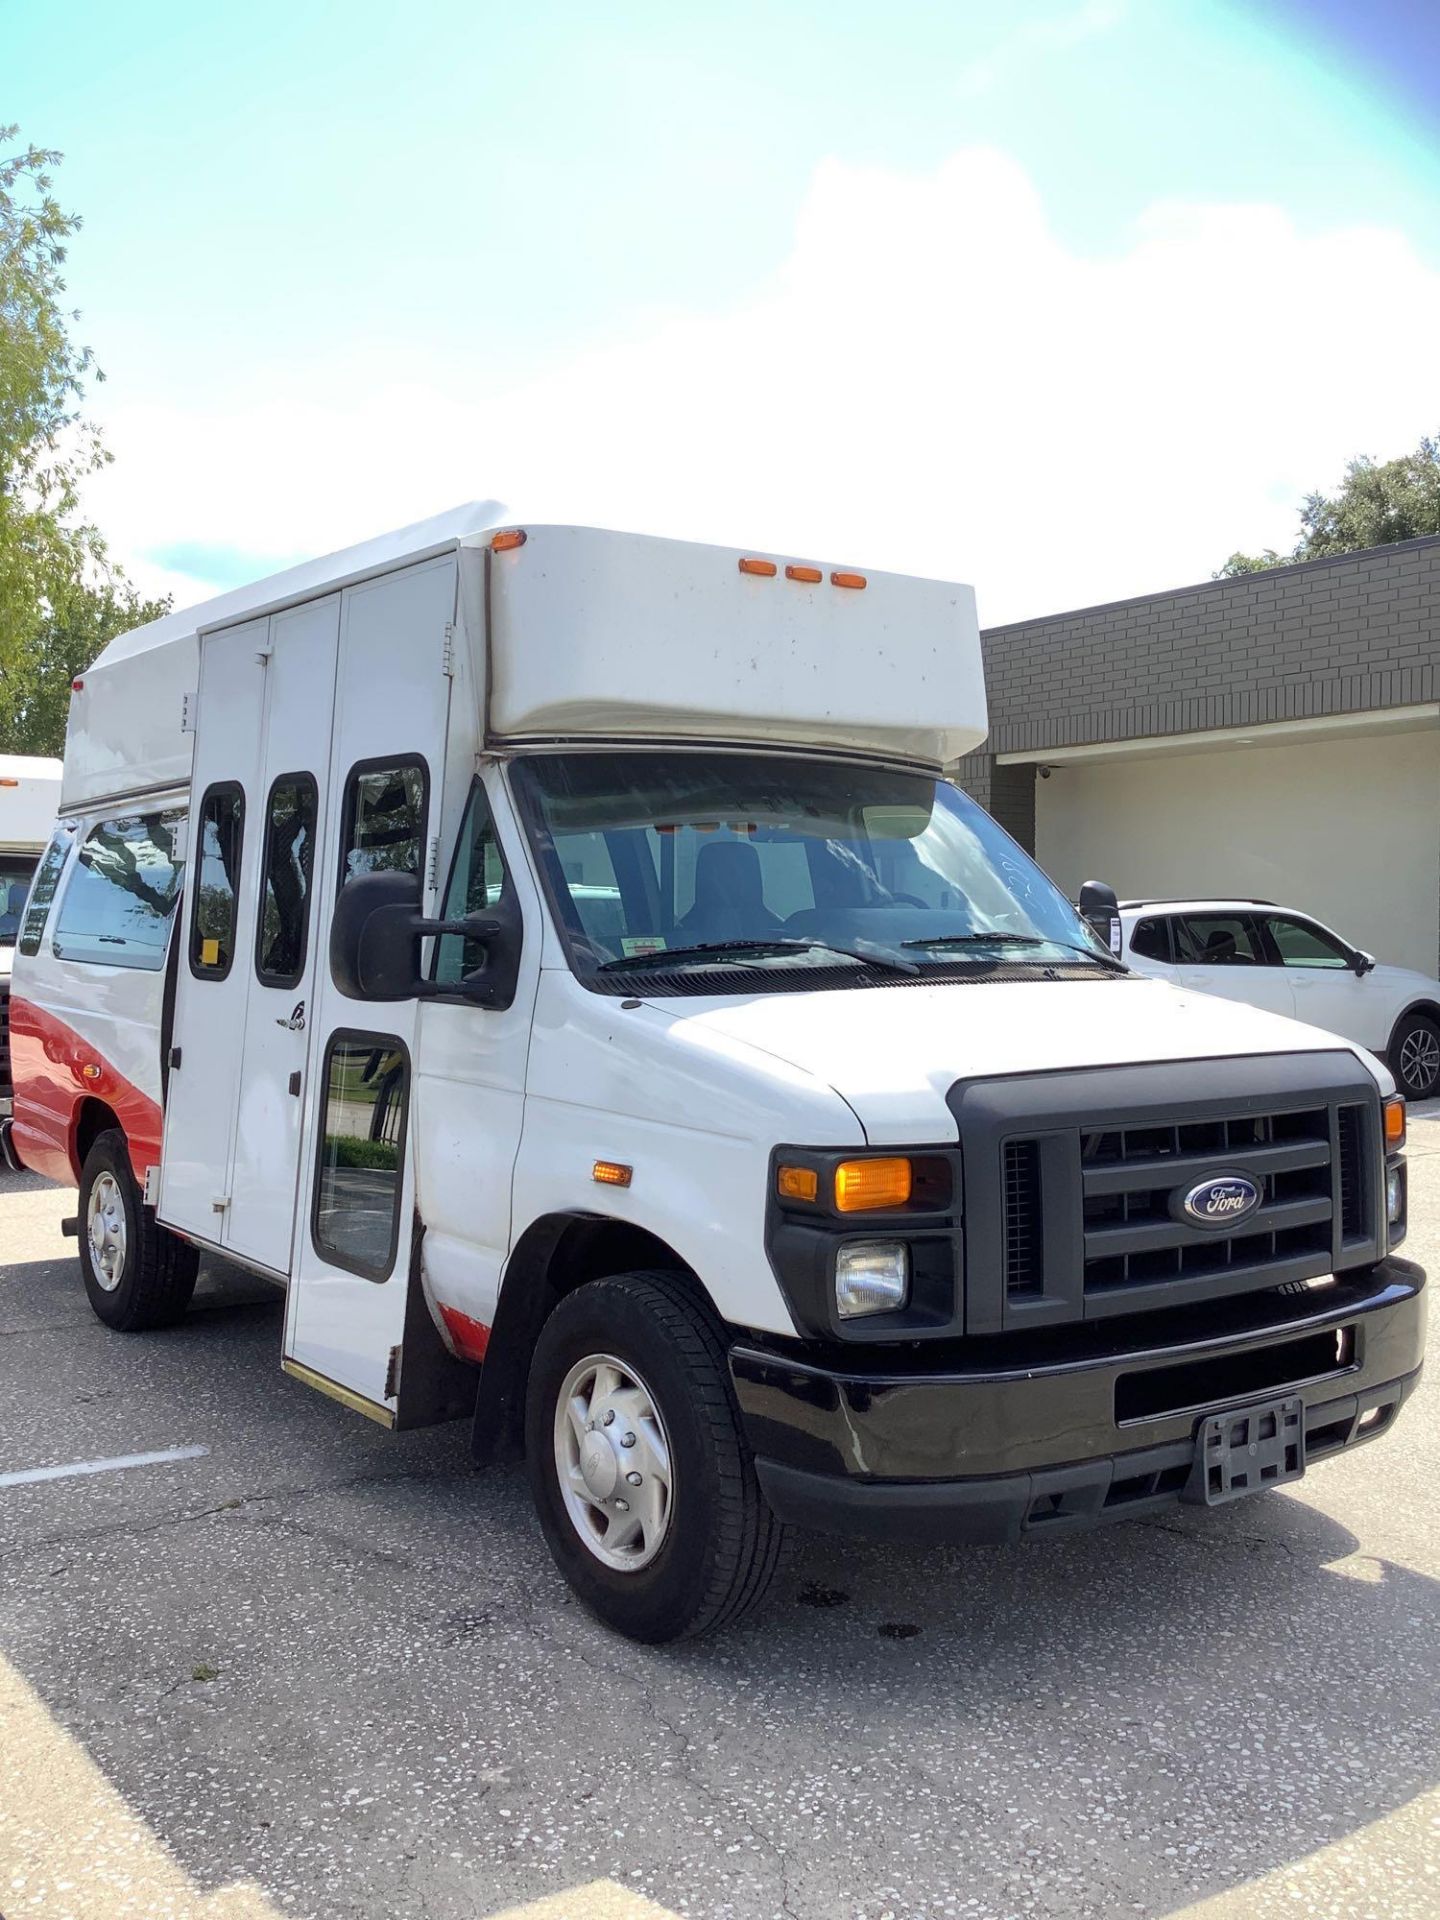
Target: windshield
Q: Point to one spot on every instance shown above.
(15, 872)
(752, 865)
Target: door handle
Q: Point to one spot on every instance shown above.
(295, 1085)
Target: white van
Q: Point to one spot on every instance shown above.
(562, 959)
(29, 797)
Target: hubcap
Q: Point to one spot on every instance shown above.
(105, 1229)
(612, 1459)
(1420, 1059)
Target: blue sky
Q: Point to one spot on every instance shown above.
(656, 261)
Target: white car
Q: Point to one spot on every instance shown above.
(1274, 957)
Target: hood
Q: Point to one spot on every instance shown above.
(892, 1054)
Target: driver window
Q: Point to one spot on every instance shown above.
(1300, 944)
(1217, 940)
(476, 880)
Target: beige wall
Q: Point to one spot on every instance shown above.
(1348, 830)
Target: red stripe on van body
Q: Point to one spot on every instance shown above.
(469, 1336)
(55, 1071)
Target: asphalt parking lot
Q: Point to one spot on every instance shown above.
(317, 1669)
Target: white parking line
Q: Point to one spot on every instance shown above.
(121, 1460)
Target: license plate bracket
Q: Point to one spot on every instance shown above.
(1248, 1449)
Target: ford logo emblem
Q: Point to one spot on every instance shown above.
(1220, 1202)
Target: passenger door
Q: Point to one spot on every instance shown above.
(278, 956)
(212, 972)
(1224, 954)
(345, 1313)
(1327, 990)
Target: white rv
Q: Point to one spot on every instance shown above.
(563, 959)
(29, 797)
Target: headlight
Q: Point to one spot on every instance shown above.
(871, 1276)
(1395, 1194)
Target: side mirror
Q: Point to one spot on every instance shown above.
(1101, 912)
(375, 937)
(1363, 963)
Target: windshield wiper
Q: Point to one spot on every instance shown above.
(704, 949)
(999, 936)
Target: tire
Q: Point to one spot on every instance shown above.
(716, 1546)
(137, 1273)
(1415, 1056)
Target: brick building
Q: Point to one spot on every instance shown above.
(1276, 735)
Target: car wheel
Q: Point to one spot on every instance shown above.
(1415, 1056)
(137, 1273)
(642, 1480)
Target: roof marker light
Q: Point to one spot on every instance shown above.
(847, 579)
(765, 568)
(512, 537)
(808, 576)
(77, 686)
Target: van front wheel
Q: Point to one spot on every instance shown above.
(137, 1273)
(641, 1476)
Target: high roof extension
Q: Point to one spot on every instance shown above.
(574, 634)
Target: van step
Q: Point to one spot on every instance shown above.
(71, 1227)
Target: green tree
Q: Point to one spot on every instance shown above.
(60, 597)
(1376, 504)
(68, 632)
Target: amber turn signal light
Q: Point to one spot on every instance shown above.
(1394, 1123)
(797, 1183)
(612, 1173)
(504, 542)
(863, 1186)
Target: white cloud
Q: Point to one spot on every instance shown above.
(933, 382)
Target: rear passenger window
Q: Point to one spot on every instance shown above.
(384, 826)
(122, 890)
(1151, 940)
(42, 889)
(285, 881)
(219, 839)
(1218, 940)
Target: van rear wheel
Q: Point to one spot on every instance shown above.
(137, 1273)
(642, 1480)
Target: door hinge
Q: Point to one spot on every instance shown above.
(220, 1203)
(264, 654)
(432, 864)
(295, 1085)
(447, 649)
(392, 1374)
(152, 1184)
(175, 1057)
(187, 712)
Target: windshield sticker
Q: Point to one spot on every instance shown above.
(633, 944)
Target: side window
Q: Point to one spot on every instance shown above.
(1218, 940)
(284, 922)
(219, 841)
(475, 883)
(1301, 944)
(384, 826)
(42, 889)
(1151, 940)
(122, 890)
(359, 1169)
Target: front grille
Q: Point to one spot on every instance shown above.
(1076, 1182)
(1022, 1217)
(1131, 1175)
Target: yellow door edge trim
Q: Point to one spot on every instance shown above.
(347, 1397)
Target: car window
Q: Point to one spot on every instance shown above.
(1150, 940)
(219, 842)
(122, 890)
(384, 818)
(1218, 940)
(1302, 944)
(42, 891)
(476, 882)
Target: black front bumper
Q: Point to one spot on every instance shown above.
(1018, 1436)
